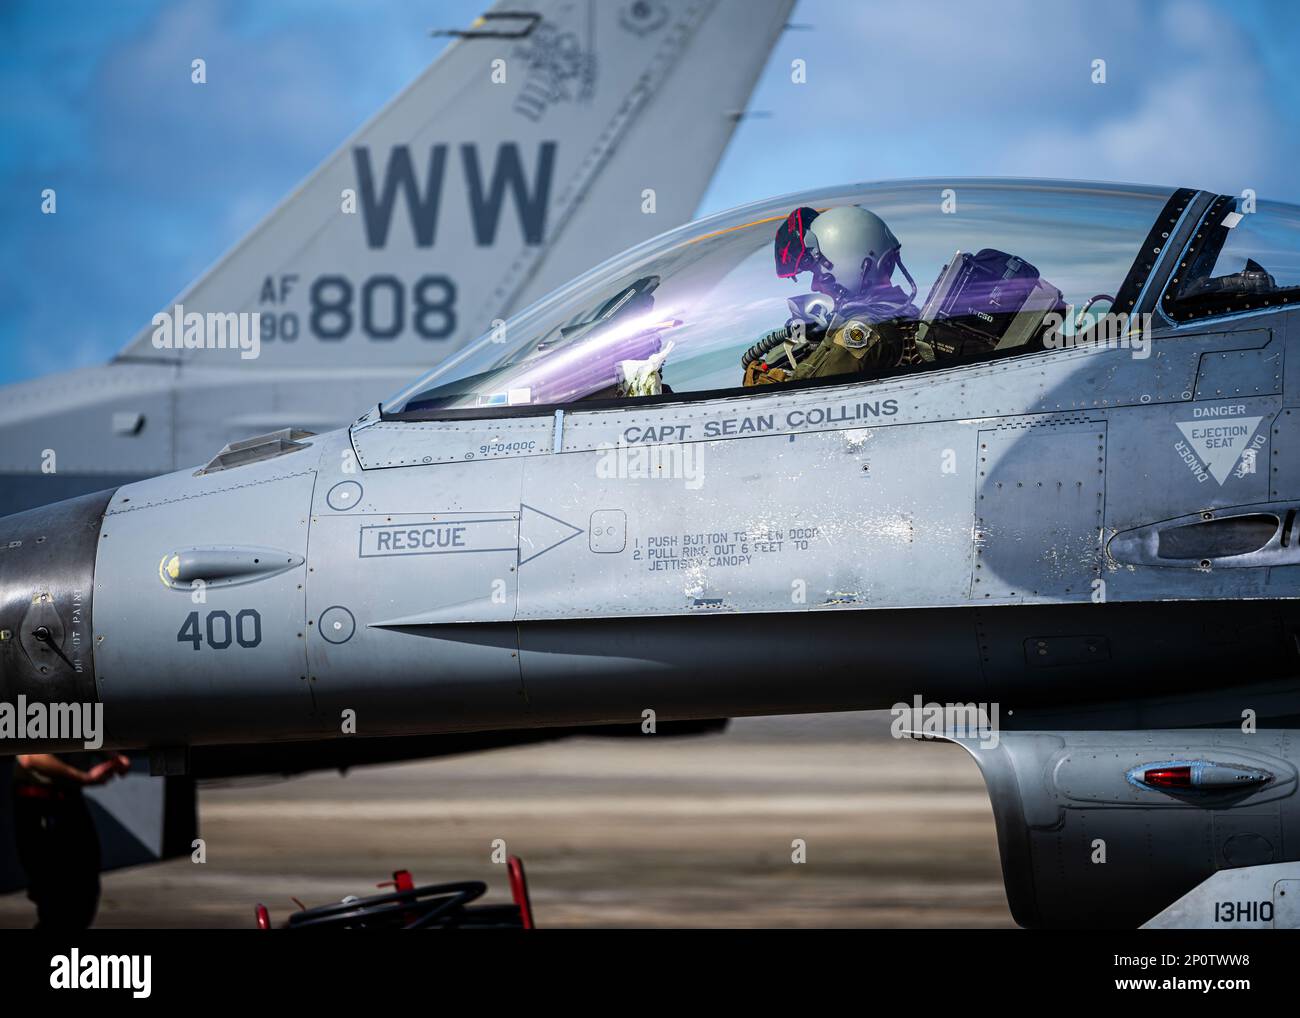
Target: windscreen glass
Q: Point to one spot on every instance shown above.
(678, 314)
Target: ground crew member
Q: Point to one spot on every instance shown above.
(57, 843)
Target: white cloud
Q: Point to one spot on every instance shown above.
(935, 88)
(1212, 123)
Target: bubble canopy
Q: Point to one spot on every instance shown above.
(689, 303)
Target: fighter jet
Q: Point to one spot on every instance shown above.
(544, 139)
(1018, 449)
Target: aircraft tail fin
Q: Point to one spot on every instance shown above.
(538, 144)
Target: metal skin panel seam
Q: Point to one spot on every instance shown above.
(120, 510)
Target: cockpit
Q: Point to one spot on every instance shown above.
(1000, 263)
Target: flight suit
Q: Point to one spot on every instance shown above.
(852, 348)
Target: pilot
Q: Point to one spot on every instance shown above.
(55, 835)
(852, 255)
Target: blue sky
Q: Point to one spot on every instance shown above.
(154, 182)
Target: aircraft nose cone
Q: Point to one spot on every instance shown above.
(47, 579)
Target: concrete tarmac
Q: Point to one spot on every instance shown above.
(636, 832)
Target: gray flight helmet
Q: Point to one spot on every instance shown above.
(855, 248)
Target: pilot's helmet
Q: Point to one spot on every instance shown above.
(848, 250)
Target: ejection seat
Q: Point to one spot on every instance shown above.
(987, 303)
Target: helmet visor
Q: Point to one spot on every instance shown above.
(792, 254)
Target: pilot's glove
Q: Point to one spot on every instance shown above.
(758, 373)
